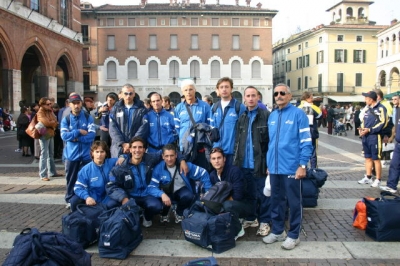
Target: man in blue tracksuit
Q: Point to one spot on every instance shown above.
(78, 133)
(289, 151)
(224, 115)
(169, 185)
(201, 114)
(161, 123)
(251, 145)
(131, 180)
(127, 120)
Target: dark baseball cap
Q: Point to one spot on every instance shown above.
(370, 94)
(74, 98)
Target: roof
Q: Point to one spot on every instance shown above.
(347, 99)
(351, 2)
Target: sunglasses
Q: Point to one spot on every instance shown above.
(282, 93)
(213, 150)
(128, 93)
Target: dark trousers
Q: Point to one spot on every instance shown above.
(183, 197)
(394, 169)
(240, 208)
(71, 175)
(75, 201)
(330, 125)
(259, 204)
(286, 189)
(313, 158)
(58, 144)
(151, 206)
(105, 136)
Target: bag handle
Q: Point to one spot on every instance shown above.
(79, 206)
(387, 193)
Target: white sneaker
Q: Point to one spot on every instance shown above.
(164, 219)
(263, 230)
(271, 238)
(146, 223)
(290, 243)
(388, 189)
(254, 223)
(376, 183)
(240, 234)
(365, 180)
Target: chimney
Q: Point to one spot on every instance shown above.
(259, 5)
(394, 21)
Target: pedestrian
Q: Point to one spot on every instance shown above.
(46, 117)
(357, 121)
(78, 133)
(208, 99)
(23, 138)
(330, 118)
(290, 148)
(103, 113)
(166, 103)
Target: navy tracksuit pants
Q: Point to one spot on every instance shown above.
(71, 175)
(394, 169)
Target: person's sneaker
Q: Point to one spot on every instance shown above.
(365, 180)
(290, 243)
(147, 223)
(263, 230)
(178, 218)
(18, 150)
(45, 179)
(376, 183)
(164, 219)
(240, 234)
(254, 223)
(68, 205)
(388, 189)
(271, 238)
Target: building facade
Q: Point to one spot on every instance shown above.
(155, 46)
(336, 62)
(40, 51)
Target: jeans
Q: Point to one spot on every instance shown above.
(47, 167)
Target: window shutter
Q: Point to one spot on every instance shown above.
(364, 56)
(153, 69)
(215, 69)
(111, 70)
(132, 70)
(317, 57)
(132, 42)
(215, 42)
(345, 55)
(235, 69)
(322, 56)
(173, 69)
(194, 69)
(256, 70)
(111, 42)
(354, 56)
(235, 42)
(174, 41)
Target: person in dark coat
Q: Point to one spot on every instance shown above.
(22, 124)
(357, 121)
(331, 115)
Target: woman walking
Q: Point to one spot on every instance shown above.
(23, 138)
(45, 116)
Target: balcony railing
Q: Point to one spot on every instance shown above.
(334, 90)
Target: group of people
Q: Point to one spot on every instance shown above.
(159, 155)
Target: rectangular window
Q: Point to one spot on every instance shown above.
(110, 42)
(194, 42)
(288, 82)
(359, 56)
(299, 83)
(215, 42)
(256, 22)
(305, 82)
(204, 22)
(173, 22)
(299, 46)
(306, 59)
(340, 56)
(174, 42)
(141, 22)
(306, 44)
(163, 22)
(131, 22)
(153, 42)
(288, 51)
(64, 13)
(235, 22)
(235, 42)
(110, 22)
(152, 22)
(256, 42)
(183, 22)
(339, 85)
(86, 81)
(358, 79)
(132, 42)
(320, 57)
(319, 82)
(121, 22)
(340, 38)
(288, 65)
(215, 21)
(359, 38)
(194, 21)
(35, 5)
(320, 40)
(85, 56)
(85, 33)
(299, 63)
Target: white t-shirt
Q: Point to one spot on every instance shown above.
(224, 104)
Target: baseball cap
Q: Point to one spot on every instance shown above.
(370, 94)
(88, 99)
(74, 97)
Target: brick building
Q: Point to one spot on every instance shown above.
(155, 46)
(40, 51)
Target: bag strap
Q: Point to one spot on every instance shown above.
(190, 114)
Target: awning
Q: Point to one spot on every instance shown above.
(390, 95)
(347, 99)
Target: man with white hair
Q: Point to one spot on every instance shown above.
(191, 109)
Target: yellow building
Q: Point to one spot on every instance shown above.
(336, 61)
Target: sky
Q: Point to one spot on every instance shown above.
(293, 15)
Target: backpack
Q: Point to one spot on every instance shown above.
(49, 248)
(237, 107)
(217, 195)
(120, 231)
(86, 116)
(83, 224)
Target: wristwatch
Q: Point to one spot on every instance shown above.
(302, 166)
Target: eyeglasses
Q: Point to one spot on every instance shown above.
(128, 93)
(213, 150)
(282, 93)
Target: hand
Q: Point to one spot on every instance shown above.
(83, 132)
(300, 173)
(125, 200)
(103, 128)
(90, 201)
(120, 161)
(184, 168)
(166, 200)
(125, 148)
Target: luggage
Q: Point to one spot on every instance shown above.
(383, 217)
(49, 248)
(314, 180)
(203, 228)
(83, 224)
(360, 214)
(216, 195)
(120, 231)
(210, 261)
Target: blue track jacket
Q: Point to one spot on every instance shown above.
(233, 175)
(77, 145)
(163, 176)
(162, 130)
(92, 180)
(227, 131)
(289, 140)
(201, 114)
(375, 118)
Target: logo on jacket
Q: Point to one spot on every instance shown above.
(128, 177)
(199, 112)
(289, 122)
(233, 114)
(151, 124)
(94, 179)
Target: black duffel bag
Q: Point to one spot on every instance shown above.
(383, 216)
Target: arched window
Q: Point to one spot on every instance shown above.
(361, 12)
(235, 69)
(215, 97)
(132, 70)
(173, 69)
(256, 70)
(194, 69)
(349, 12)
(111, 70)
(198, 95)
(153, 70)
(238, 96)
(215, 69)
(175, 97)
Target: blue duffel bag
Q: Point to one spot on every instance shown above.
(195, 224)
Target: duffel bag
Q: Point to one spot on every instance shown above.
(383, 217)
(195, 224)
(309, 192)
(83, 224)
(47, 249)
(210, 261)
(120, 231)
(222, 229)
